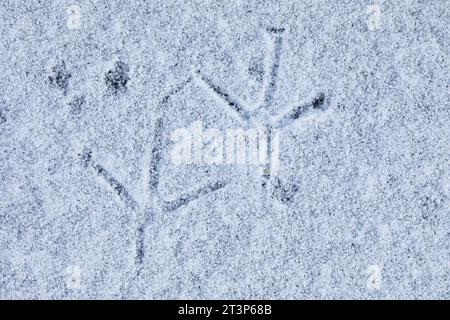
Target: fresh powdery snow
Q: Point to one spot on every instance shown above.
(224, 149)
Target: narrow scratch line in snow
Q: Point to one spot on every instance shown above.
(236, 107)
(158, 140)
(137, 229)
(267, 169)
(318, 104)
(118, 188)
(175, 90)
(275, 30)
(140, 250)
(188, 197)
(155, 157)
(272, 71)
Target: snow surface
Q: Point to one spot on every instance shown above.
(91, 206)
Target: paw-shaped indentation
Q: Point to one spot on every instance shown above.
(60, 77)
(116, 79)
